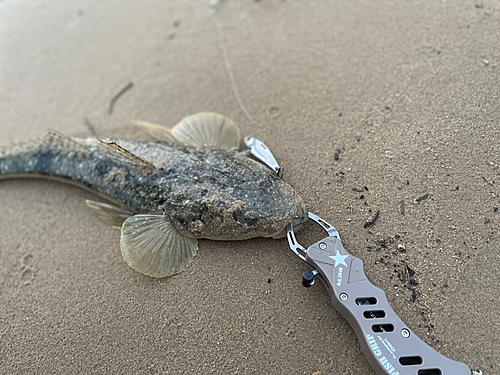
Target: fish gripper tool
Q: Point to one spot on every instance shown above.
(389, 345)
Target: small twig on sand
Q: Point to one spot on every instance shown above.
(117, 96)
(406, 273)
(369, 223)
(419, 199)
(402, 207)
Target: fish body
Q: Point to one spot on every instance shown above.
(214, 194)
(165, 194)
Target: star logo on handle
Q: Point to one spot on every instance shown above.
(339, 259)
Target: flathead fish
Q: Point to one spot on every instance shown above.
(164, 195)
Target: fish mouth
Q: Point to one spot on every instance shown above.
(297, 222)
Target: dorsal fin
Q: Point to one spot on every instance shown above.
(53, 143)
(115, 152)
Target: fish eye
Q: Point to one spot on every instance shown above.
(250, 218)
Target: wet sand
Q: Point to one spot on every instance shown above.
(368, 105)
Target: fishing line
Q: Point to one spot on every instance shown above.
(227, 63)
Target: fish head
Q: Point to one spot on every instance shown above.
(271, 219)
(298, 220)
(241, 213)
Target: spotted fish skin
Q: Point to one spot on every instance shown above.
(189, 184)
(214, 194)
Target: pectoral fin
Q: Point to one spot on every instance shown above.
(112, 215)
(151, 245)
(207, 129)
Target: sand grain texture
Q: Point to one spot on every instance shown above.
(398, 97)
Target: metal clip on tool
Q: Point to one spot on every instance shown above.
(260, 151)
(389, 345)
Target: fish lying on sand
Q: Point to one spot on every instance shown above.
(191, 183)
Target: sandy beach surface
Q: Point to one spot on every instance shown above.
(367, 104)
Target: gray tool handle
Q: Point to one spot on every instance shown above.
(389, 345)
